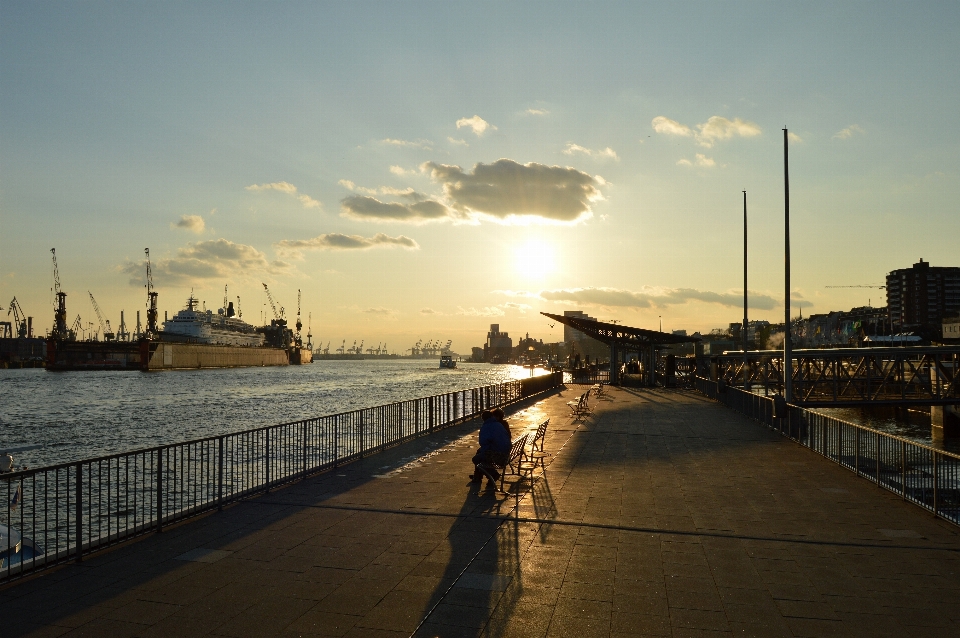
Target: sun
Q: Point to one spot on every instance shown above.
(534, 259)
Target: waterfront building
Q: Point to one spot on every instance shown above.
(922, 296)
(572, 335)
(499, 346)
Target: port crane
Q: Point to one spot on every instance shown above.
(152, 312)
(273, 306)
(60, 331)
(342, 348)
(77, 327)
(299, 324)
(327, 349)
(122, 333)
(309, 336)
(105, 329)
(239, 312)
(19, 319)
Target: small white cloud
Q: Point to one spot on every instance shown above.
(346, 183)
(714, 129)
(193, 223)
(720, 128)
(488, 311)
(606, 153)
(428, 311)
(793, 137)
(666, 126)
(457, 142)
(399, 170)
(700, 160)
(426, 145)
(289, 189)
(380, 311)
(848, 132)
(538, 112)
(476, 123)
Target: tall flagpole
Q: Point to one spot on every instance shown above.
(787, 331)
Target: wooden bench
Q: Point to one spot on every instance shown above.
(511, 463)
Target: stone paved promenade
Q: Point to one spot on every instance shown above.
(662, 514)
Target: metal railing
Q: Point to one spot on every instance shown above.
(588, 375)
(71, 509)
(923, 475)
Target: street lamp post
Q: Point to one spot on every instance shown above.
(744, 290)
(787, 332)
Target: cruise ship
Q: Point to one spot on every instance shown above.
(203, 326)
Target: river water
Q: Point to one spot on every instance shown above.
(48, 418)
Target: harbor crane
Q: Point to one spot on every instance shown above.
(105, 329)
(19, 319)
(239, 312)
(60, 331)
(122, 333)
(152, 312)
(273, 306)
(309, 336)
(299, 324)
(342, 348)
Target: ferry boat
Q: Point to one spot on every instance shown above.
(446, 361)
(199, 326)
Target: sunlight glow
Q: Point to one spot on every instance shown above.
(534, 259)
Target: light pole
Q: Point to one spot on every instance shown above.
(787, 336)
(660, 317)
(744, 290)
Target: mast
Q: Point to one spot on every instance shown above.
(787, 329)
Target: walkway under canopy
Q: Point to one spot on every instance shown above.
(624, 340)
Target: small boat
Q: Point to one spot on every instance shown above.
(446, 361)
(16, 548)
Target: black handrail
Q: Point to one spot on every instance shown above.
(72, 508)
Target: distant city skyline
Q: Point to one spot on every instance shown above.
(423, 170)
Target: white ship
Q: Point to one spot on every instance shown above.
(223, 328)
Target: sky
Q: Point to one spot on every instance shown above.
(420, 170)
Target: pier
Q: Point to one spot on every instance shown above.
(662, 513)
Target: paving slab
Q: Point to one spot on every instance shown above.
(660, 514)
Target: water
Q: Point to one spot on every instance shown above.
(912, 424)
(59, 417)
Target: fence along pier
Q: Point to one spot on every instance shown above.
(73, 508)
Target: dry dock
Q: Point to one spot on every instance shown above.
(661, 514)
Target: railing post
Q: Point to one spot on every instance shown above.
(936, 485)
(361, 433)
(266, 471)
(79, 509)
(430, 409)
(159, 490)
(220, 465)
(903, 469)
(303, 424)
(877, 454)
(856, 458)
(336, 443)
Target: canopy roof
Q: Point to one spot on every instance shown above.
(610, 333)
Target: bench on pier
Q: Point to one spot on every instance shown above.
(513, 462)
(536, 455)
(599, 390)
(581, 407)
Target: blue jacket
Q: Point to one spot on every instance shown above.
(494, 437)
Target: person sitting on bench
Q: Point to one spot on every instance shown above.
(494, 441)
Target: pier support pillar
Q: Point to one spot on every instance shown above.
(614, 365)
(945, 420)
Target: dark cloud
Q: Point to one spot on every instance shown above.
(507, 189)
(339, 241)
(421, 209)
(218, 259)
(656, 297)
